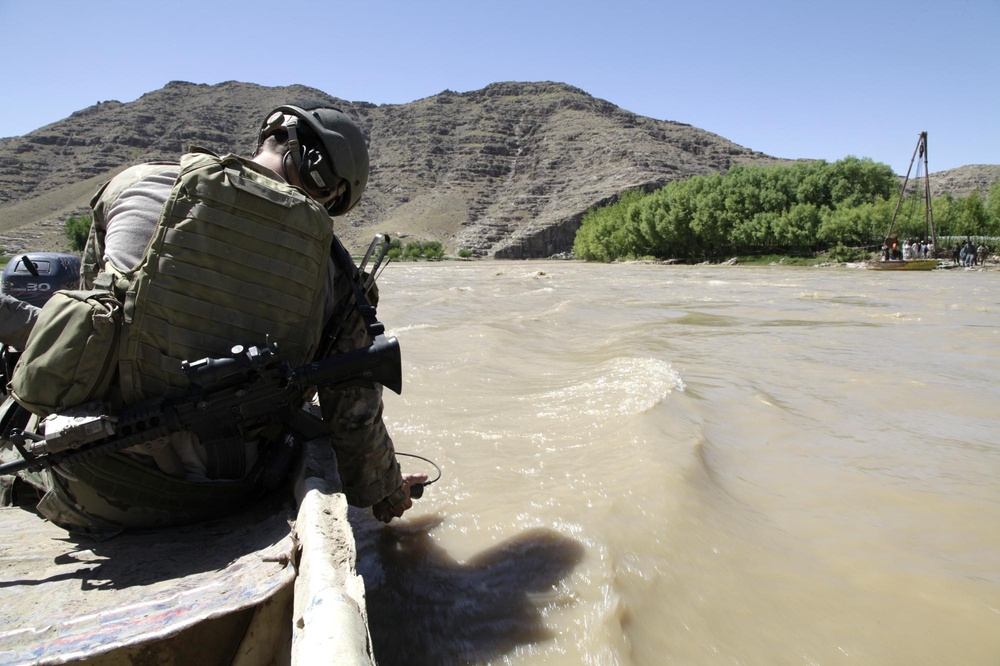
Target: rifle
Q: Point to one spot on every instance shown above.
(231, 396)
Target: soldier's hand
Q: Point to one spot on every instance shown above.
(386, 511)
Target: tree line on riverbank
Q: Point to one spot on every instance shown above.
(802, 209)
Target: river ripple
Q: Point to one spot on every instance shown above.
(691, 465)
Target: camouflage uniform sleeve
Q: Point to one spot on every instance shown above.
(17, 318)
(366, 460)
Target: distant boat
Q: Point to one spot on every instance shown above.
(891, 258)
(904, 265)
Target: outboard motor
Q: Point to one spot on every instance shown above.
(33, 276)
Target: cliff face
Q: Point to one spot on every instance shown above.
(513, 167)
(53, 171)
(963, 180)
(506, 171)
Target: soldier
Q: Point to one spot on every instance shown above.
(242, 250)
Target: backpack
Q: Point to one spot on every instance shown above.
(70, 357)
(236, 258)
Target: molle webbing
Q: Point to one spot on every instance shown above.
(236, 258)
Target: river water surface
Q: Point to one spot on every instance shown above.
(652, 464)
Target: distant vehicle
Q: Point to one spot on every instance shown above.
(34, 276)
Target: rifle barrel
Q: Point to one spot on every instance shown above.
(379, 363)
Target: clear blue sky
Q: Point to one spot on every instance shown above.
(790, 78)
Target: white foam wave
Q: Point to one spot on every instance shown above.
(619, 387)
(412, 327)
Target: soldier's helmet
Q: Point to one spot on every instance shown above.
(328, 149)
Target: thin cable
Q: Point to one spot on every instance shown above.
(426, 460)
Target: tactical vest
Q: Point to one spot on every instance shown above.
(236, 258)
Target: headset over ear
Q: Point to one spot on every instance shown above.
(327, 148)
(313, 167)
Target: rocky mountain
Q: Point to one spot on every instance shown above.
(507, 171)
(963, 180)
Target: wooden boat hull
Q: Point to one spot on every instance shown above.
(905, 265)
(272, 585)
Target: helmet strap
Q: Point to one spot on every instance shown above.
(294, 146)
(306, 160)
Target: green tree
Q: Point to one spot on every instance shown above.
(710, 219)
(674, 213)
(412, 251)
(971, 218)
(854, 181)
(750, 209)
(77, 229)
(863, 225)
(610, 232)
(945, 214)
(812, 184)
(798, 228)
(415, 250)
(395, 252)
(993, 210)
(433, 250)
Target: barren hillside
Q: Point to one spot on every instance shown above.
(506, 171)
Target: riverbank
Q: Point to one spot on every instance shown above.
(992, 263)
